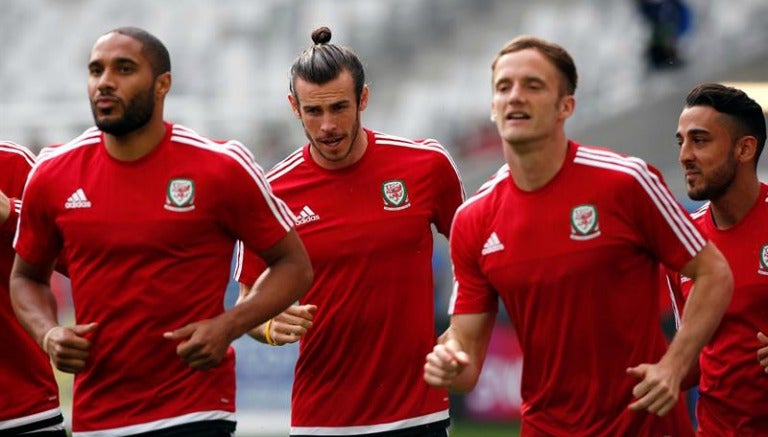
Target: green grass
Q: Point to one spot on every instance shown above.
(485, 429)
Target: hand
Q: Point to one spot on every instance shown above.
(203, 344)
(657, 392)
(762, 353)
(5, 207)
(290, 325)
(68, 347)
(444, 364)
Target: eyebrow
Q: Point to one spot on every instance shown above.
(118, 61)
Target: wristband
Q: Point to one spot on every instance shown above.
(267, 337)
(44, 344)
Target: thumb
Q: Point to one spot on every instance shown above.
(181, 333)
(637, 371)
(81, 330)
(762, 337)
(459, 355)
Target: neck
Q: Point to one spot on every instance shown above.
(533, 165)
(356, 152)
(730, 208)
(136, 144)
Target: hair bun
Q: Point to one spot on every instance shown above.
(321, 35)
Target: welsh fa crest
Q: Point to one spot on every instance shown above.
(584, 225)
(763, 270)
(180, 195)
(395, 195)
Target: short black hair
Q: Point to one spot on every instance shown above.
(151, 47)
(323, 62)
(746, 113)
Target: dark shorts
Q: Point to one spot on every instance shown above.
(205, 428)
(436, 429)
(29, 429)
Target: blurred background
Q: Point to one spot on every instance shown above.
(428, 67)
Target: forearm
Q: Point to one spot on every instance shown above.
(473, 333)
(34, 305)
(8, 216)
(278, 287)
(467, 379)
(703, 311)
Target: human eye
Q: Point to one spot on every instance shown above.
(95, 69)
(126, 68)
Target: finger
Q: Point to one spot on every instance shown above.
(762, 337)
(638, 371)
(301, 311)
(181, 333)
(762, 353)
(641, 389)
(666, 408)
(285, 322)
(188, 349)
(68, 353)
(762, 357)
(65, 338)
(73, 367)
(281, 338)
(436, 376)
(444, 355)
(659, 402)
(82, 330)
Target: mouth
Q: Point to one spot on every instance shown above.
(105, 103)
(691, 174)
(517, 116)
(331, 142)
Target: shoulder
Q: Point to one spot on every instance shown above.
(12, 152)
(419, 152)
(54, 153)
(477, 206)
(217, 153)
(701, 213)
(427, 146)
(288, 165)
(222, 148)
(613, 165)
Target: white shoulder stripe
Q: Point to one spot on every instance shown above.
(234, 150)
(88, 138)
(427, 144)
(11, 147)
(700, 211)
(685, 231)
(286, 165)
(487, 187)
(239, 254)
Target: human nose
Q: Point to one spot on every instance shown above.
(515, 93)
(105, 81)
(685, 154)
(328, 123)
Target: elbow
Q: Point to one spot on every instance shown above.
(305, 276)
(726, 279)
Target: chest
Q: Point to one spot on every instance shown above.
(571, 238)
(746, 249)
(153, 207)
(360, 214)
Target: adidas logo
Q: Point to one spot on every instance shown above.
(77, 200)
(306, 215)
(493, 244)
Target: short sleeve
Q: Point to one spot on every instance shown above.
(472, 292)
